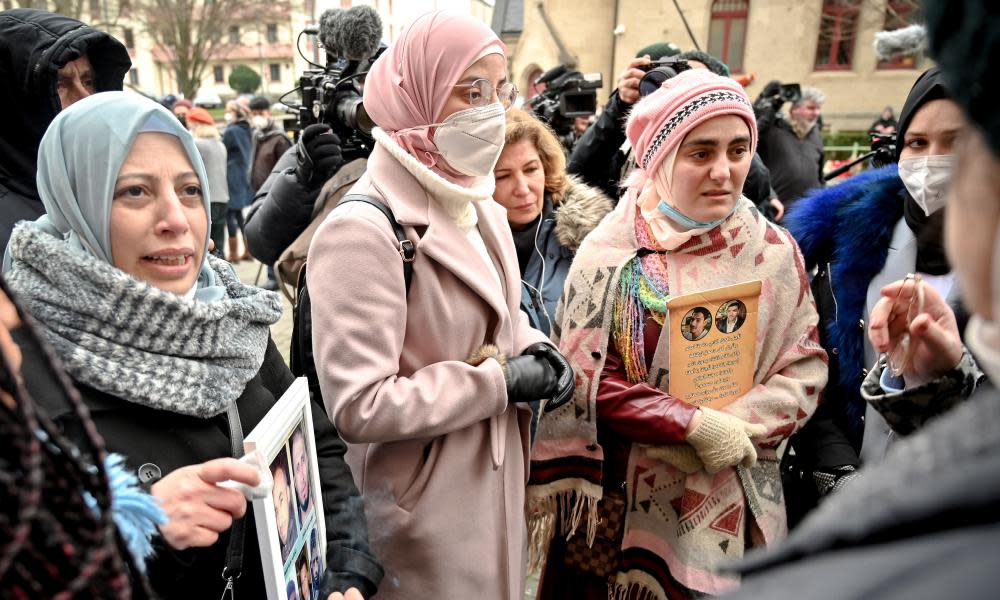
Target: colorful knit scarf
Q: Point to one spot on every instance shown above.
(642, 287)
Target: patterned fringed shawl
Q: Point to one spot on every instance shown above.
(678, 526)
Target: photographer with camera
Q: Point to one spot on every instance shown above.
(597, 158)
(334, 130)
(792, 146)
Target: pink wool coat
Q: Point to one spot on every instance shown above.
(438, 454)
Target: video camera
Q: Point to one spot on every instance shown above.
(333, 94)
(883, 149)
(568, 94)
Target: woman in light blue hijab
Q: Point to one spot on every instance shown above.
(170, 351)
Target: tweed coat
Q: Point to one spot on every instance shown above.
(438, 454)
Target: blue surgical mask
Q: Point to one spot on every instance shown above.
(685, 221)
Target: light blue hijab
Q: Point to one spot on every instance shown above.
(79, 159)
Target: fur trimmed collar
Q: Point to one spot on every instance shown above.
(456, 200)
(579, 212)
(850, 227)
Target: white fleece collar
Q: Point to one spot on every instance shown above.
(454, 199)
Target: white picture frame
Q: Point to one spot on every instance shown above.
(304, 525)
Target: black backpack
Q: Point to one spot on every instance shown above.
(301, 358)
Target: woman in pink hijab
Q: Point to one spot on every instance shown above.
(428, 385)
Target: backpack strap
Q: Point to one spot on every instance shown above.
(407, 251)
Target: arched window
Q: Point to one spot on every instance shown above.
(727, 32)
(838, 30)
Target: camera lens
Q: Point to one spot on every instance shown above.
(652, 81)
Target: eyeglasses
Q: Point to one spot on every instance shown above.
(480, 93)
(901, 356)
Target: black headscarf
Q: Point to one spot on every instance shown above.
(929, 230)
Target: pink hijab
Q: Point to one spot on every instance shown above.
(411, 82)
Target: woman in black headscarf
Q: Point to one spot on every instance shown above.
(871, 230)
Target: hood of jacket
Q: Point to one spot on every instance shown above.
(581, 209)
(34, 45)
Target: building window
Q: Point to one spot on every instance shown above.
(274, 72)
(129, 38)
(272, 33)
(133, 76)
(234, 34)
(727, 32)
(899, 14)
(838, 30)
(218, 74)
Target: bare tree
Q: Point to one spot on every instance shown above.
(193, 33)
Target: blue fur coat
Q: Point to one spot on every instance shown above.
(845, 231)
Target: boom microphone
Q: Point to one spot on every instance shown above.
(353, 34)
(904, 41)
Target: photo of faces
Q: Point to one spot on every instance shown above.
(281, 495)
(301, 474)
(316, 560)
(302, 576)
(290, 589)
(731, 316)
(696, 323)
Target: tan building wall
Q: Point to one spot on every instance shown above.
(780, 44)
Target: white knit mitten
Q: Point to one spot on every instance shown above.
(681, 456)
(723, 440)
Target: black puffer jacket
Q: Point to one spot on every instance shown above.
(34, 45)
(168, 441)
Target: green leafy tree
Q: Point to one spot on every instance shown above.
(244, 80)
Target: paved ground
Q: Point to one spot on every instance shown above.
(282, 334)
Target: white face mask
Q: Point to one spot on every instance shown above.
(927, 179)
(260, 121)
(228, 117)
(471, 140)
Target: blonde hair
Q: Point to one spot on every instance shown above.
(522, 125)
(205, 131)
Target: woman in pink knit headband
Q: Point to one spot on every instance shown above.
(428, 380)
(662, 490)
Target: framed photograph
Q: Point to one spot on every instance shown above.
(290, 527)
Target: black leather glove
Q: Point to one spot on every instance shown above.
(319, 155)
(565, 379)
(529, 378)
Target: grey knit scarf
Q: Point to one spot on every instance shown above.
(136, 342)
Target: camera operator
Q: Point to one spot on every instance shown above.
(792, 146)
(283, 206)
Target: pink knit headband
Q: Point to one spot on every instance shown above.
(660, 121)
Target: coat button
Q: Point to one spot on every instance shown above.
(149, 473)
(835, 351)
(595, 354)
(861, 323)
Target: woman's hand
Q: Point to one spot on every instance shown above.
(722, 440)
(198, 509)
(935, 343)
(351, 594)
